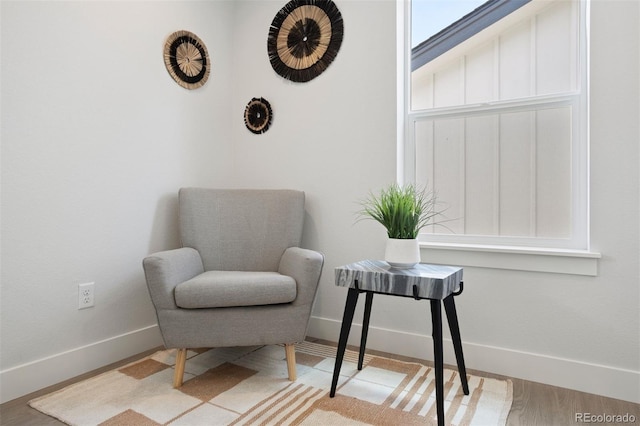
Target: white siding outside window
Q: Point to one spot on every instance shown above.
(497, 126)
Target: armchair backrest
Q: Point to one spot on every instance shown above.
(240, 229)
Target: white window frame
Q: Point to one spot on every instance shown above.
(532, 254)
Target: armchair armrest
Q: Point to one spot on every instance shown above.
(305, 266)
(166, 269)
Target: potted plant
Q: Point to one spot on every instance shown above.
(403, 210)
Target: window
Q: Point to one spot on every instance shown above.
(496, 116)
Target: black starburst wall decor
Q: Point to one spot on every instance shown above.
(304, 38)
(187, 59)
(258, 115)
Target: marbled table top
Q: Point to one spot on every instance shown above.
(433, 281)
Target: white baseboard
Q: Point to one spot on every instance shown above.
(592, 378)
(32, 376)
(572, 374)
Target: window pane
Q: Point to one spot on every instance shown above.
(497, 120)
(500, 174)
(531, 52)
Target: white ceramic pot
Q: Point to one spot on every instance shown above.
(402, 254)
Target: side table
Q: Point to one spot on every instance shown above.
(435, 283)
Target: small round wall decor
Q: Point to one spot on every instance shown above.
(187, 59)
(304, 38)
(258, 115)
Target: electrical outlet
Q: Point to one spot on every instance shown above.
(85, 295)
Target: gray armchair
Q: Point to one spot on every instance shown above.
(240, 278)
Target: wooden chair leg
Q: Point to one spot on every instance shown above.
(290, 351)
(178, 375)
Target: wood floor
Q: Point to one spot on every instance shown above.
(533, 403)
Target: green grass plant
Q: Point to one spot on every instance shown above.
(402, 209)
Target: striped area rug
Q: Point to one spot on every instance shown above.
(249, 386)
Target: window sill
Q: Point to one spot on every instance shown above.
(573, 262)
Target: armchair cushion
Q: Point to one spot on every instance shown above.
(218, 289)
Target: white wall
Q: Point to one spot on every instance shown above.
(96, 139)
(86, 180)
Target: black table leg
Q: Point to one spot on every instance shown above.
(365, 328)
(452, 318)
(347, 319)
(436, 321)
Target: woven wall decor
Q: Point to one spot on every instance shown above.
(187, 59)
(258, 115)
(304, 38)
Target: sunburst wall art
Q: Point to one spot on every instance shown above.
(258, 115)
(304, 38)
(187, 59)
